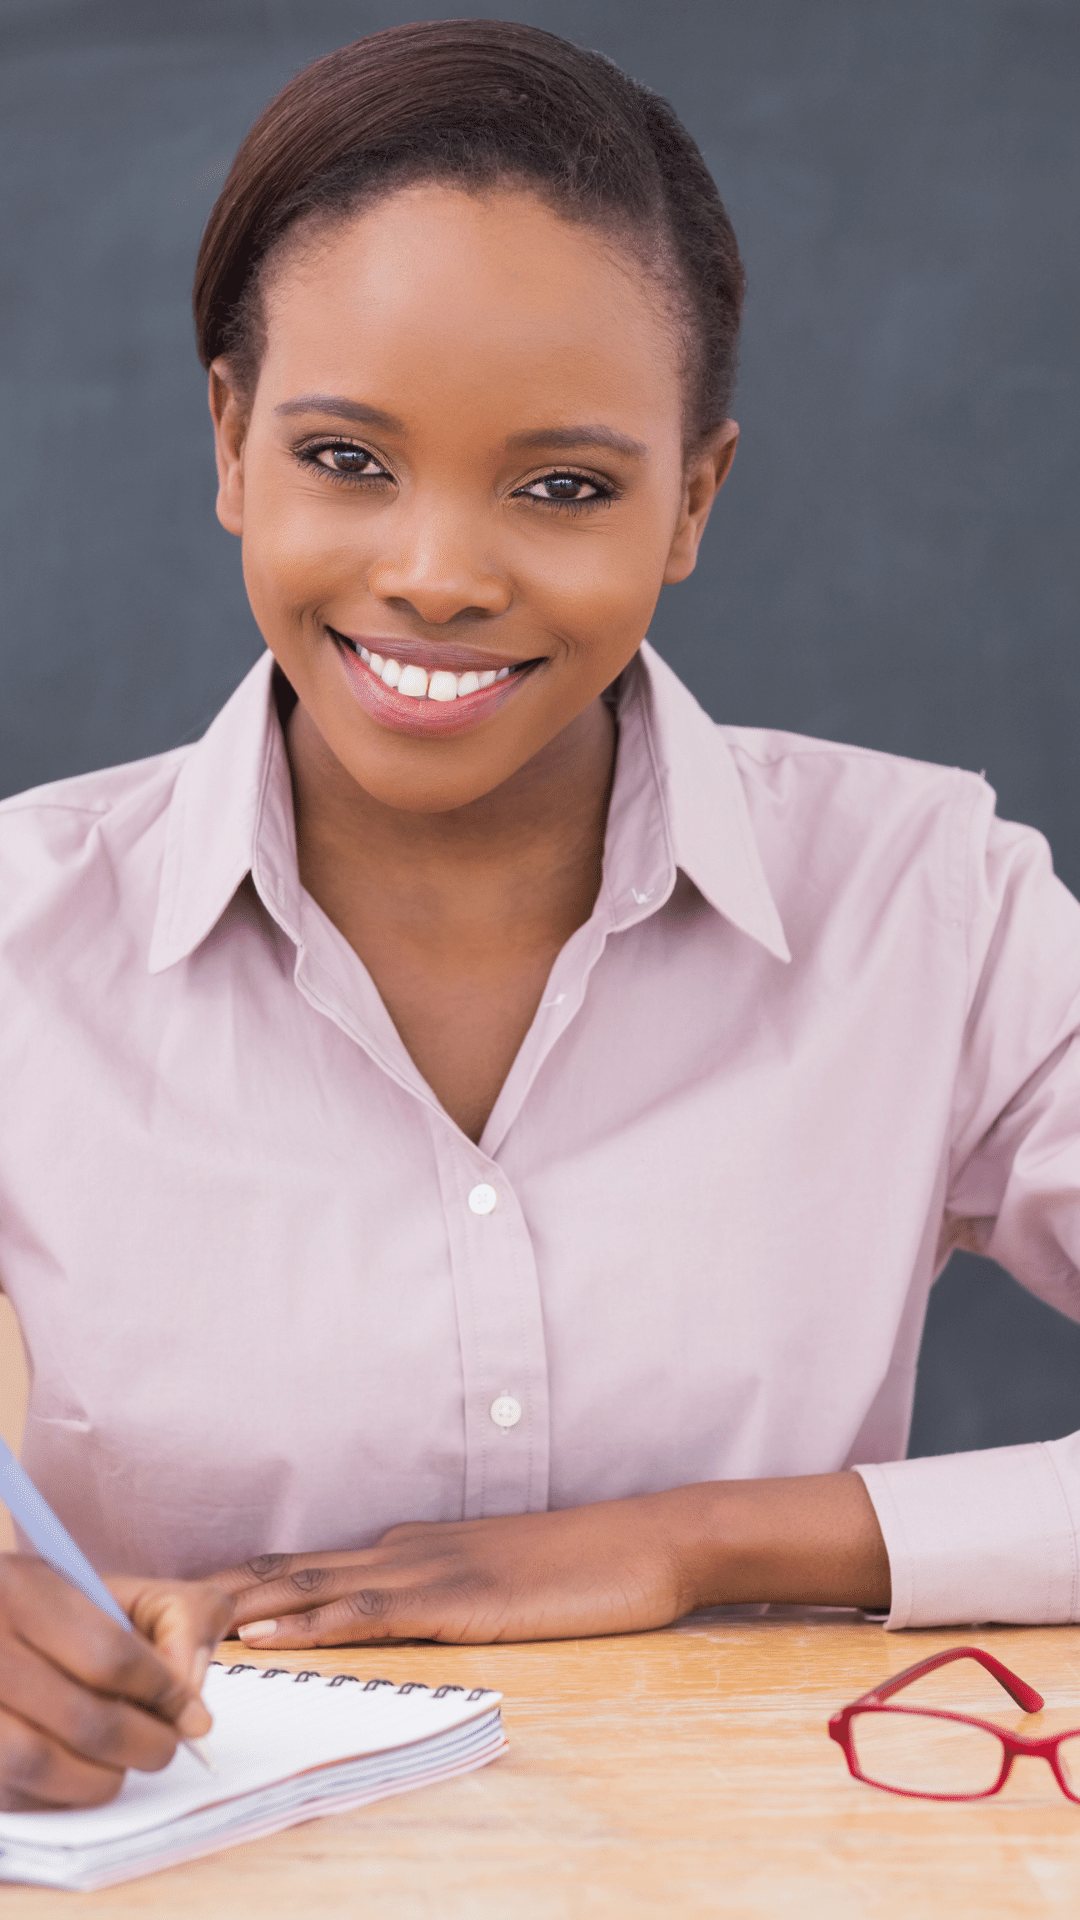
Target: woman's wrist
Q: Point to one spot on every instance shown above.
(810, 1540)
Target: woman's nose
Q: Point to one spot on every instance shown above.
(435, 566)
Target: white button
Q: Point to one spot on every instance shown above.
(482, 1199)
(505, 1410)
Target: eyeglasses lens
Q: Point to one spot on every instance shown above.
(920, 1754)
(1069, 1761)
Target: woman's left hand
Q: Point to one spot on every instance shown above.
(621, 1566)
(617, 1567)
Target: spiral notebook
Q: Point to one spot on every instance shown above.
(285, 1747)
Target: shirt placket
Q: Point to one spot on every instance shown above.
(503, 1357)
(493, 1267)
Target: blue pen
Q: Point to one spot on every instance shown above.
(57, 1548)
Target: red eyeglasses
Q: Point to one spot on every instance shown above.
(946, 1756)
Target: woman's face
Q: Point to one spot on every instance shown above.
(463, 459)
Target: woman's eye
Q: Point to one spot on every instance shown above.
(351, 462)
(571, 487)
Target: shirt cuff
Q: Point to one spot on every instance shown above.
(982, 1536)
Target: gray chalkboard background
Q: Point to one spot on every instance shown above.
(894, 559)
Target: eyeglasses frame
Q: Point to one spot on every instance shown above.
(1013, 1744)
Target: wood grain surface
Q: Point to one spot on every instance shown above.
(685, 1772)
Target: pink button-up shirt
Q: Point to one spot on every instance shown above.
(818, 1030)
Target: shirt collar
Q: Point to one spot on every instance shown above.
(231, 814)
(677, 802)
(702, 799)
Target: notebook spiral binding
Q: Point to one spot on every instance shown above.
(349, 1679)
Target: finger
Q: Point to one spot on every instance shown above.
(184, 1620)
(299, 1591)
(83, 1642)
(37, 1772)
(271, 1566)
(451, 1612)
(266, 1566)
(99, 1728)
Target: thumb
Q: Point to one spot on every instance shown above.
(183, 1620)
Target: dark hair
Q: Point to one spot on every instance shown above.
(477, 102)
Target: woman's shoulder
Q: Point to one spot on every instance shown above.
(766, 754)
(845, 824)
(841, 827)
(826, 791)
(66, 829)
(800, 776)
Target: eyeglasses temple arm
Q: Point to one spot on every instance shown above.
(1024, 1695)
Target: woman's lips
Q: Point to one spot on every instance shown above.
(429, 654)
(428, 690)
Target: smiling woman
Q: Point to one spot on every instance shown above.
(470, 398)
(450, 596)
(471, 1033)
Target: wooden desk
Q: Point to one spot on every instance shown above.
(685, 1773)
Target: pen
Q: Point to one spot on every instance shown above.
(57, 1548)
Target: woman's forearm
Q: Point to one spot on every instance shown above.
(813, 1539)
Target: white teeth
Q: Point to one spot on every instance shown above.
(440, 685)
(413, 682)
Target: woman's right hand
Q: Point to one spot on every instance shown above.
(80, 1699)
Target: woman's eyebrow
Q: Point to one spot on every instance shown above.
(339, 408)
(359, 413)
(566, 438)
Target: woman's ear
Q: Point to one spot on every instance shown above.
(230, 423)
(705, 474)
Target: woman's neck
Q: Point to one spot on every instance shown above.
(459, 916)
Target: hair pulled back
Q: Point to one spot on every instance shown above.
(476, 102)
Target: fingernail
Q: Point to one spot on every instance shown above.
(193, 1721)
(200, 1667)
(257, 1630)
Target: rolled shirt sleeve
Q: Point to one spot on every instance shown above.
(982, 1536)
